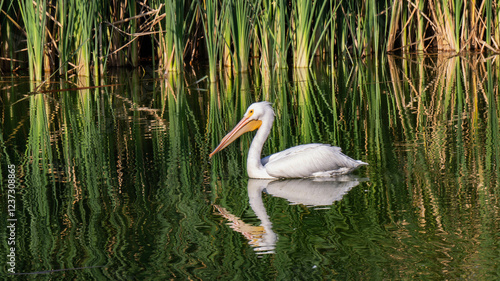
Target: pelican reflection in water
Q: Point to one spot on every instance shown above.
(302, 161)
(309, 192)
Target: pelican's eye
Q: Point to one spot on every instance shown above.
(250, 113)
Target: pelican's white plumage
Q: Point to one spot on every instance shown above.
(302, 161)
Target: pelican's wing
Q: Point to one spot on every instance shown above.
(310, 160)
(291, 151)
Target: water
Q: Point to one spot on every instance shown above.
(115, 182)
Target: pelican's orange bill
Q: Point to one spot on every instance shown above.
(245, 125)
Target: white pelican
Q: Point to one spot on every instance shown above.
(302, 161)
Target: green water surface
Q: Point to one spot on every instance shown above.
(115, 182)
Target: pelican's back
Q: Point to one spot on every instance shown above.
(310, 160)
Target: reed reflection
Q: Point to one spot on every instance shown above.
(312, 193)
(122, 171)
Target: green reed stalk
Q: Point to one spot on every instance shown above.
(178, 23)
(33, 14)
(86, 20)
(66, 17)
(302, 19)
(241, 20)
(343, 34)
(305, 41)
(8, 48)
(274, 41)
(489, 20)
(254, 37)
(170, 61)
(421, 26)
(444, 21)
(406, 38)
(116, 14)
(227, 55)
(496, 22)
(76, 24)
(212, 18)
(332, 39)
(134, 45)
(371, 33)
(265, 22)
(350, 41)
(281, 34)
(394, 24)
(460, 14)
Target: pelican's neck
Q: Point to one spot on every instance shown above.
(255, 169)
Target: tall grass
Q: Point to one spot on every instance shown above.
(273, 34)
(179, 19)
(265, 30)
(66, 14)
(241, 18)
(77, 34)
(306, 23)
(227, 53)
(33, 14)
(449, 25)
(212, 15)
(85, 13)
(134, 46)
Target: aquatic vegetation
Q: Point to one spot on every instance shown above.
(99, 165)
(86, 36)
(85, 23)
(33, 14)
(213, 17)
(308, 28)
(179, 19)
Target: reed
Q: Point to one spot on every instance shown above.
(281, 34)
(273, 34)
(449, 25)
(445, 24)
(213, 15)
(227, 54)
(115, 16)
(307, 33)
(33, 14)
(265, 33)
(134, 46)
(11, 41)
(84, 35)
(66, 16)
(169, 48)
(179, 19)
(86, 22)
(241, 18)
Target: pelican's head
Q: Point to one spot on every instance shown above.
(252, 120)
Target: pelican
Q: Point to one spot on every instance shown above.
(302, 161)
